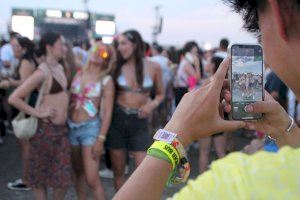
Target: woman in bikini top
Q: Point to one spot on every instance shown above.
(92, 95)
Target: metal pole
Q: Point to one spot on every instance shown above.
(156, 24)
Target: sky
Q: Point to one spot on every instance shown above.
(205, 21)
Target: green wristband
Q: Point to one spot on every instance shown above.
(158, 154)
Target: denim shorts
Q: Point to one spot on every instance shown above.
(84, 133)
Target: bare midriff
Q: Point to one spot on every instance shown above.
(78, 115)
(59, 103)
(132, 100)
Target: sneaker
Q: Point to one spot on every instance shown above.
(106, 173)
(18, 185)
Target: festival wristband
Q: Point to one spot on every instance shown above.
(168, 150)
(179, 147)
(170, 138)
(185, 169)
(181, 172)
(158, 154)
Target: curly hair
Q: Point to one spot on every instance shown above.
(249, 10)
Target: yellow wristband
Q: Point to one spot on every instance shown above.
(167, 149)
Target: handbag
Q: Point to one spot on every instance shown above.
(25, 128)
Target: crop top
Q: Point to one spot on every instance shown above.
(84, 96)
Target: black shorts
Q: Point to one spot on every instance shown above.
(218, 134)
(128, 131)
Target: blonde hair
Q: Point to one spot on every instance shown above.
(108, 65)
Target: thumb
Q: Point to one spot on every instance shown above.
(219, 77)
(230, 126)
(262, 107)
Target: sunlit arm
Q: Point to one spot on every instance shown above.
(17, 97)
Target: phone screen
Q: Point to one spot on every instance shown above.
(246, 79)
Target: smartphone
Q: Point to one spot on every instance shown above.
(246, 80)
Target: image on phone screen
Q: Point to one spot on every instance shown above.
(246, 79)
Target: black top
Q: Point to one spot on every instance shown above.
(274, 84)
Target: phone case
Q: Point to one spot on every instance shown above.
(249, 118)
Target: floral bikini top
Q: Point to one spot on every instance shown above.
(84, 96)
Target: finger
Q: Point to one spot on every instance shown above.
(251, 126)
(223, 103)
(230, 126)
(219, 77)
(267, 107)
(227, 108)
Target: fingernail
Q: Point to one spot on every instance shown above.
(248, 108)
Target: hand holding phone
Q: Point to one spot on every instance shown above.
(246, 80)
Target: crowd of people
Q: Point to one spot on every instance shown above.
(101, 99)
(247, 84)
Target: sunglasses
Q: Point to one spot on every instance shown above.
(101, 52)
